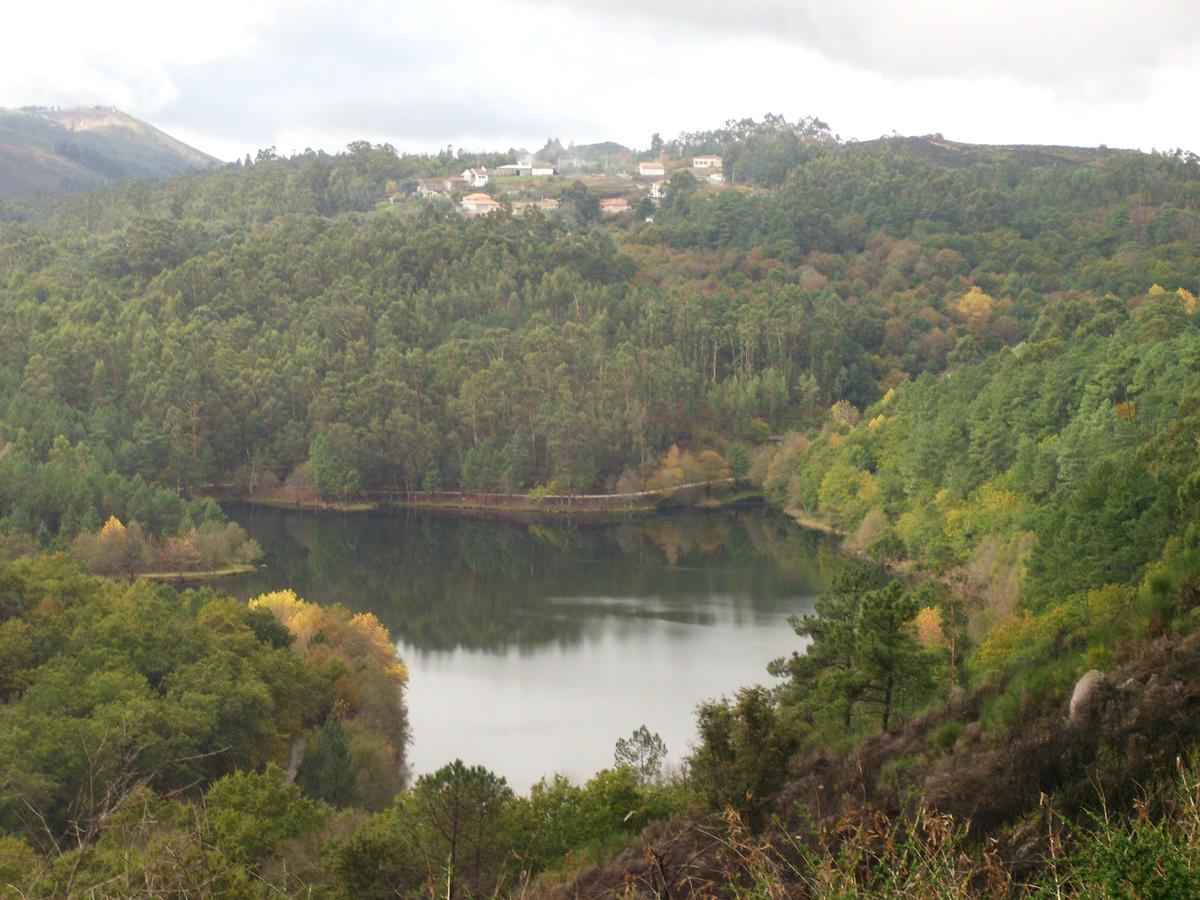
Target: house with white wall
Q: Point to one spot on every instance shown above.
(478, 205)
(476, 178)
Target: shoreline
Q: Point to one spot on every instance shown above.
(199, 575)
(527, 511)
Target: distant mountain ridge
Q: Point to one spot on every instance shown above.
(936, 149)
(46, 151)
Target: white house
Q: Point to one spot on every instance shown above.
(658, 189)
(475, 178)
(514, 169)
(716, 177)
(651, 170)
(523, 169)
(706, 162)
(478, 204)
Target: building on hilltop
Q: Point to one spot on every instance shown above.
(478, 204)
(706, 162)
(651, 170)
(475, 178)
(521, 170)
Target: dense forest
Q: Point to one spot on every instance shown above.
(242, 326)
(979, 366)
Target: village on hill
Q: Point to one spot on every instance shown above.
(533, 184)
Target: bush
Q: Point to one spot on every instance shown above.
(945, 736)
(251, 813)
(759, 432)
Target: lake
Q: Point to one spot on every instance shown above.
(533, 647)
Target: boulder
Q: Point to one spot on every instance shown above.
(1087, 688)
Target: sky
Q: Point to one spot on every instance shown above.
(233, 76)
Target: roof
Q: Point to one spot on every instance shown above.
(478, 198)
(706, 156)
(614, 201)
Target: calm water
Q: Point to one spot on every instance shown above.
(533, 648)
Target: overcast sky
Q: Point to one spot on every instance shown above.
(232, 76)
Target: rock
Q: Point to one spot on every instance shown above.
(296, 757)
(1086, 690)
(1130, 684)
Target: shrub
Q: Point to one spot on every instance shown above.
(945, 736)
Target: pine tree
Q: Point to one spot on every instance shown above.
(887, 655)
(826, 670)
(327, 772)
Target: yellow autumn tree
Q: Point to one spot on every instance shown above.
(116, 550)
(670, 473)
(928, 626)
(712, 465)
(357, 658)
(976, 309)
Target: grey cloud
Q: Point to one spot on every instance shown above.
(1066, 45)
(323, 73)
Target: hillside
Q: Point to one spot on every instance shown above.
(54, 151)
(979, 365)
(936, 149)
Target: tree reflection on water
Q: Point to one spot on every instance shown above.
(440, 583)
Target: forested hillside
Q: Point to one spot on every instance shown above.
(979, 365)
(235, 327)
(46, 152)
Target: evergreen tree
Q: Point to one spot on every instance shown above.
(826, 671)
(888, 660)
(327, 772)
(642, 752)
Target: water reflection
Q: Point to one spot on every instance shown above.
(532, 648)
(439, 583)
